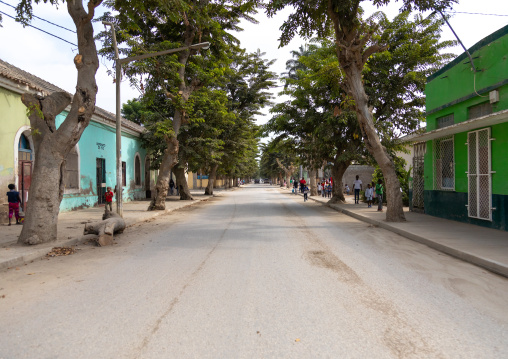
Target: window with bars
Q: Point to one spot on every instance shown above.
(444, 164)
(445, 121)
(72, 170)
(480, 110)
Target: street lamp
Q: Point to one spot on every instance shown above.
(118, 66)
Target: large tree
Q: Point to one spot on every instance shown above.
(52, 145)
(356, 42)
(395, 81)
(156, 25)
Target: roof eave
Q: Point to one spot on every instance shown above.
(469, 125)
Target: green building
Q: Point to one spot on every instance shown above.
(460, 165)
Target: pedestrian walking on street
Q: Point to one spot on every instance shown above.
(319, 188)
(369, 191)
(295, 187)
(305, 193)
(171, 186)
(109, 199)
(14, 203)
(347, 189)
(302, 184)
(357, 187)
(379, 195)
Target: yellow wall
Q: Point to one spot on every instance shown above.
(190, 182)
(12, 118)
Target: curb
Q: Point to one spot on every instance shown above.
(468, 257)
(38, 253)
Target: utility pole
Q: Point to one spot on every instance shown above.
(118, 66)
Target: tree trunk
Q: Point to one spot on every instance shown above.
(211, 181)
(313, 184)
(169, 160)
(338, 170)
(52, 145)
(351, 56)
(106, 228)
(394, 211)
(181, 182)
(44, 197)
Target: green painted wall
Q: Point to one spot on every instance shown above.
(456, 80)
(452, 90)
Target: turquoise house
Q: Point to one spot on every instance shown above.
(90, 167)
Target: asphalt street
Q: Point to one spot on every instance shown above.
(254, 273)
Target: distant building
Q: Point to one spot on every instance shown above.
(90, 167)
(460, 164)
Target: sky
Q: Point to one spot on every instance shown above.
(52, 59)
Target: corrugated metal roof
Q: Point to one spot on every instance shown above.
(25, 78)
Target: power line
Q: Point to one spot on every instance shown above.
(40, 18)
(475, 13)
(12, 17)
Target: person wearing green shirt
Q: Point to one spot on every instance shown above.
(379, 194)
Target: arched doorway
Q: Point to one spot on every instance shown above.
(25, 164)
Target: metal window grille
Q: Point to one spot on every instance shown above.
(480, 110)
(479, 175)
(418, 177)
(444, 164)
(72, 170)
(445, 121)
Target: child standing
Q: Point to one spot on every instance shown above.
(329, 190)
(109, 199)
(379, 194)
(368, 195)
(14, 203)
(305, 193)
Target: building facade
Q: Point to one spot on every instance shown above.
(90, 167)
(461, 162)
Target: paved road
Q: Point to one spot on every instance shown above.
(254, 274)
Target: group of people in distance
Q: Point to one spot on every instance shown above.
(325, 187)
(374, 190)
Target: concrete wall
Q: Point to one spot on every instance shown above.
(365, 173)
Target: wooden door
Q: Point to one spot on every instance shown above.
(25, 180)
(101, 180)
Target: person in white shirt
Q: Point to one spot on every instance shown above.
(369, 192)
(357, 187)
